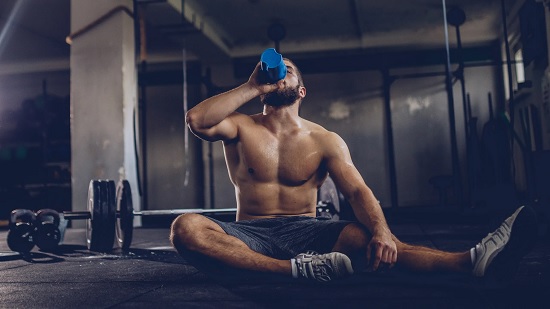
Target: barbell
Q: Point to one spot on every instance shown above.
(110, 215)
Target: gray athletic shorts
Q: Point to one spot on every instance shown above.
(286, 237)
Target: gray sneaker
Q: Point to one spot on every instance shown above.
(321, 267)
(503, 249)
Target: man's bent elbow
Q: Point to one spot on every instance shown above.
(192, 119)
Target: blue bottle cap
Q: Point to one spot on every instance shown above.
(273, 67)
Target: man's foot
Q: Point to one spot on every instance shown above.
(501, 251)
(321, 267)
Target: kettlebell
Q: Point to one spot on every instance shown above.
(272, 67)
(47, 233)
(22, 230)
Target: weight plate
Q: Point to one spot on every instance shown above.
(109, 216)
(100, 228)
(92, 224)
(125, 218)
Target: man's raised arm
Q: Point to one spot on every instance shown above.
(211, 119)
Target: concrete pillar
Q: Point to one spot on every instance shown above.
(103, 98)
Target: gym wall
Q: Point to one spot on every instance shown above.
(351, 104)
(34, 141)
(166, 154)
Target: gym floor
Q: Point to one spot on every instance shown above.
(152, 275)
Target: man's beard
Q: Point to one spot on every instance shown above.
(281, 97)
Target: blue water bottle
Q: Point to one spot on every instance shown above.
(273, 68)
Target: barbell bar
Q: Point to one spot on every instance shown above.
(111, 213)
(84, 215)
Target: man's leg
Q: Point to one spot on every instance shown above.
(354, 238)
(503, 248)
(199, 234)
(419, 258)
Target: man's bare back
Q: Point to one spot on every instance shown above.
(276, 172)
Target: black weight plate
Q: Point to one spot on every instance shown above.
(109, 216)
(102, 207)
(92, 224)
(125, 219)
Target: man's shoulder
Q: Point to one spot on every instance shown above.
(314, 128)
(243, 120)
(321, 134)
(241, 116)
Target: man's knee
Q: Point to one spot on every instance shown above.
(353, 237)
(186, 229)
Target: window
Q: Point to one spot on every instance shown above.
(520, 73)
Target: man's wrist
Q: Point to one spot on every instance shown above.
(250, 91)
(380, 229)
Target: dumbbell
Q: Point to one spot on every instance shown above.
(110, 215)
(47, 231)
(22, 230)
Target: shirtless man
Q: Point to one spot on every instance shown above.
(277, 161)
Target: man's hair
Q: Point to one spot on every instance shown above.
(298, 72)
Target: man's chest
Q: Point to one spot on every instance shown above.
(291, 160)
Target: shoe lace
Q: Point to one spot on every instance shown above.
(312, 265)
(499, 235)
(321, 270)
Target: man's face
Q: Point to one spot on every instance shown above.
(289, 94)
(281, 97)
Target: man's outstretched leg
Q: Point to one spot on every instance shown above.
(354, 239)
(500, 251)
(196, 233)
